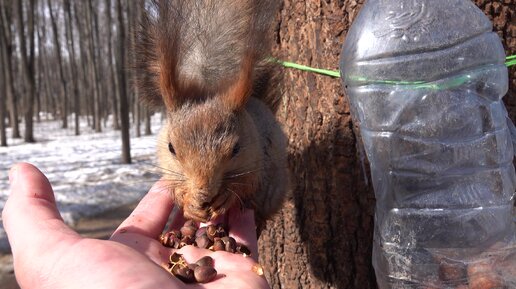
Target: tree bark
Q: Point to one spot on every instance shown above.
(147, 113)
(64, 88)
(3, 93)
(85, 88)
(135, 8)
(322, 238)
(94, 78)
(27, 60)
(503, 15)
(113, 79)
(6, 41)
(99, 104)
(124, 108)
(73, 64)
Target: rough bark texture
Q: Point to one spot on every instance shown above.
(124, 106)
(5, 20)
(323, 236)
(3, 93)
(503, 15)
(64, 89)
(27, 64)
(72, 61)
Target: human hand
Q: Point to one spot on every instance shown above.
(48, 254)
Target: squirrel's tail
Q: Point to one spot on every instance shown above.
(190, 50)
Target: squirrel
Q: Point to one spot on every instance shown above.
(206, 63)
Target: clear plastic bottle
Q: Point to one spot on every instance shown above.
(425, 81)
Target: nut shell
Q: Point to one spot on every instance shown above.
(204, 274)
(218, 245)
(206, 261)
(188, 231)
(203, 242)
(184, 274)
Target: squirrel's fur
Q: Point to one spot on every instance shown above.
(195, 49)
(206, 63)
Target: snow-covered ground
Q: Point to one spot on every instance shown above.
(85, 171)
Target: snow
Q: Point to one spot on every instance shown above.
(85, 171)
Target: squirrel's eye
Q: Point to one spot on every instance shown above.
(236, 149)
(171, 148)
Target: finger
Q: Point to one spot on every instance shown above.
(151, 214)
(242, 228)
(30, 215)
(226, 264)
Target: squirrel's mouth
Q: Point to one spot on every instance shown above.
(209, 210)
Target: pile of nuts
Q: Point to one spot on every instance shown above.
(212, 237)
(201, 271)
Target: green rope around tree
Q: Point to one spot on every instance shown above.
(510, 61)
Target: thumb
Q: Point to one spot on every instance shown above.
(30, 215)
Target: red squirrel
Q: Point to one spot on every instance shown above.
(206, 62)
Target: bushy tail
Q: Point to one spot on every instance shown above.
(188, 50)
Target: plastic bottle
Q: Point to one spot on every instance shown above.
(425, 81)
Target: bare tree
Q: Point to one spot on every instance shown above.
(94, 78)
(57, 47)
(124, 109)
(3, 80)
(135, 12)
(27, 60)
(72, 62)
(113, 79)
(7, 54)
(85, 86)
(147, 113)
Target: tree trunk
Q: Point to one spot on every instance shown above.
(147, 113)
(57, 47)
(124, 108)
(27, 60)
(3, 93)
(85, 88)
(322, 238)
(73, 64)
(94, 79)
(45, 65)
(113, 79)
(134, 8)
(503, 15)
(97, 64)
(6, 41)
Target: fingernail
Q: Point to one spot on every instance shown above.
(13, 172)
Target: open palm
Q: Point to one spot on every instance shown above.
(48, 254)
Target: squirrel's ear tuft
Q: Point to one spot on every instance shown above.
(238, 92)
(156, 55)
(167, 73)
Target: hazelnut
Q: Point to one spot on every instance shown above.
(452, 271)
(218, 245)
(481, 275)
(204, 274)
(229, 244)
(203, 241)
(201, 231)
(206, 261)
(184, 274)
(189, 223)
(188, 231)
(242, 249)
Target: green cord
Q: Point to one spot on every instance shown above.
(333, 73)
(510, 61)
